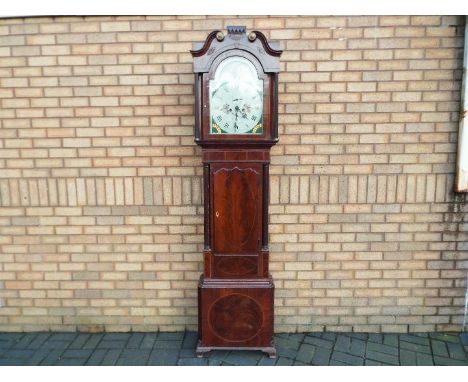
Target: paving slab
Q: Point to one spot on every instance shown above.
(449, 362)
(79, 341)
(381, 348)
(407, 358)
(329, 336)
(446, 337)
(215, 362)
(116, 336)
(242, 359)
(193, 362)
(190, 340)
(96, 357)
(286, 352)
(25, 341)
(178, 348)
(107, 344)
(415, 347)
(20, 353)
(39, 340)
(298, 363)
(456, 351)
(424, 359)
(36, 359)
(391, 339)
(415, 338)
(77, 353)
(164, 357)
(93, 341)
(111, 357)
(370, 362)
(347, 358)
(321, 357)
(265, 361)
(382, 357)
(52, 357)
(167, 344)
(171, 336)
(148, 341)
(63, 336)
(319, 342)
(358, 347)
(439, 348)
(306, 353)
(282, 361)
(135, 340)
(334, 362)
(70, 362)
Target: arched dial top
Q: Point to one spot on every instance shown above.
(236, 98)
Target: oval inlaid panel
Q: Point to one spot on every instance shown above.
(239, 266)
(236, 317)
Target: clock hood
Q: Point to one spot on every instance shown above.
(255, 42)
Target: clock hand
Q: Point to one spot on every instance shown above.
(245, 110)
(237, 109)
(235, 123)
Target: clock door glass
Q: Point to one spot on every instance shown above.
(236, 98)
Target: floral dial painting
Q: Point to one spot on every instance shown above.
(236, 98)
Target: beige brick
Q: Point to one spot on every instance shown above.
(101, 183)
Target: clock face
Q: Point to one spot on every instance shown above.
(236, 98)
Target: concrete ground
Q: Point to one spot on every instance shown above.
(177, 348)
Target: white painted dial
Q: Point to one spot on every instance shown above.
(236, 98)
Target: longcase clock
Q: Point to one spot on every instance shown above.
(236, 123)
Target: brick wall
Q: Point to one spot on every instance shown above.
(101, 218)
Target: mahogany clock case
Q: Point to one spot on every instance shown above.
(236, 291)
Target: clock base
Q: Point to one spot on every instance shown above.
(235, 315)
(202, 350)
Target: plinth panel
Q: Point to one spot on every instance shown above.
(233, 315)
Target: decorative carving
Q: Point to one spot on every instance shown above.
(237, 39)
(268, 47)
(236, 29)
(236, 318)
(236, 32)
(235, 168)
(201, 51)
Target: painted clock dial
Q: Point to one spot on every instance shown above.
(236, 98)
